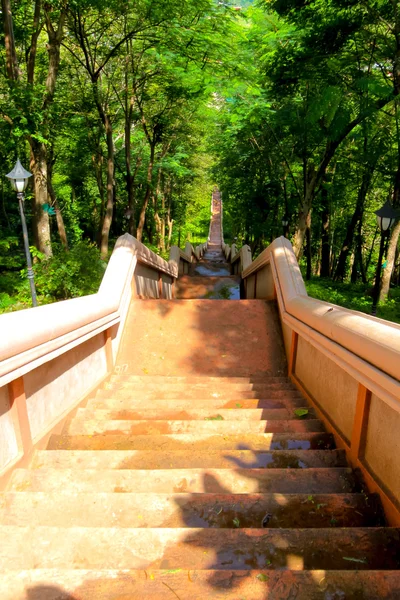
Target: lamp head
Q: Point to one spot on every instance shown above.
(386, 216)
(19, 177)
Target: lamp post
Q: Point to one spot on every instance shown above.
(19, 180)
(385, 217)
(285, 223)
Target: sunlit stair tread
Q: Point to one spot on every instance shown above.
(196, 394)
(210, 458)
(232, 480)
(110, 402)
(144, 427)
(193, 441)
(195, 379)
(96, 509)
(188, 386)
(166, 584)
(199, 548)
(230, 414)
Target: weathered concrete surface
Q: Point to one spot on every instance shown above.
(126, 548)
(165, 584)
(101, 509)
(194, 442)
(181, 459)
(202, 337)
(168, 481)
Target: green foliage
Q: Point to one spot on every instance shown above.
(355, 297)
(69, 274)
(64, 275)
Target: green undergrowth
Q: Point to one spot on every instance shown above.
(354, 296)
(67, 274)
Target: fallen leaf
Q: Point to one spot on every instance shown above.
(262, 577)
(357, 560)
(301, 412)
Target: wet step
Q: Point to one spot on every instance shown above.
(182, 459)
(214, 425)
(166, 584)
(195, 481)
(127, 404)
(246, 549)
(194, 441)
(202, 414)
(223, 511)
(209, 268)
(213, 288)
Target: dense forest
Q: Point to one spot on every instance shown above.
(128, 113)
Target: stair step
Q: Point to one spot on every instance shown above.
(193, 379)
(167, 584)
(62, 509)
(194, 441)
(168, 481)
(87, 427)
(202, 414)
(111, 403)
(246, 549)
(182, 459)
(210, 387)
(197, 393)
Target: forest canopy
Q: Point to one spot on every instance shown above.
(128, 113)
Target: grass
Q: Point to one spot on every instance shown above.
(354, 296)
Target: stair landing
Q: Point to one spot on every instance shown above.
(203, 337)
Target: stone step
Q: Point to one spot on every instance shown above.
(246, 549)
(109, 403)
(197, 394)
(182, 459)
(194, 442)
(86, 427)
(63, 509)
(195, 481)
(167, 584)
(193, 379)
(200, 414)
(183, 388)
(215, 287)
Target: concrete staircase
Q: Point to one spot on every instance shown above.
(196, 472)
(212, 487)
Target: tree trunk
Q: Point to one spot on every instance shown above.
(59, 218)
(41, 221)
(309, 255)
(394, 239)
(142, 218)
(325, 270)
(347, 245)
(12, 69)
(105, 232)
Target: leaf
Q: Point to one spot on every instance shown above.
(236, 522)
(262, 577)
(357, 560)
(238, 405)
(173, 571)
(301, 412)
(216, 418)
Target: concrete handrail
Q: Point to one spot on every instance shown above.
(345, 362)
(31, 334)
(374, 340)
(53, 356)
